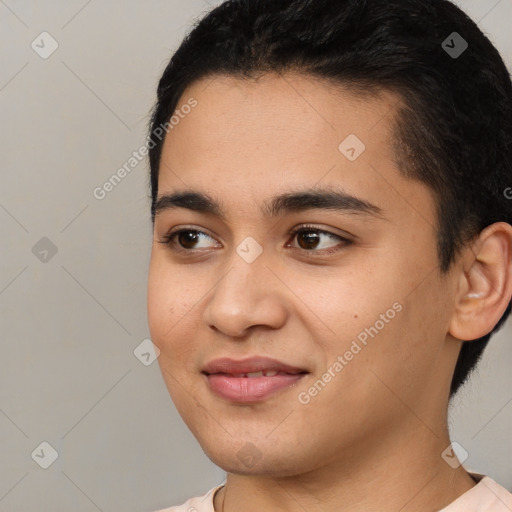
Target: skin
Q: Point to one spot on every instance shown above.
(372, 438)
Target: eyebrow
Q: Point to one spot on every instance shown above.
(282, 204)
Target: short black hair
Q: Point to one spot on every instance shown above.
(452, 128)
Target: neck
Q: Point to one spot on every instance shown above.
(410, 476)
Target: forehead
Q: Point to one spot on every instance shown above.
(279, 119)
(291, 107)
(267, 135)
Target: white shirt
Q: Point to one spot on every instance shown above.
(485, 496)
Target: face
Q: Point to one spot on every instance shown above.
(345, 287)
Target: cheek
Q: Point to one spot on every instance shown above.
(172, 310)
(364, 318)
(159, 302)
(168, 300)
(404, 355)
(164, 310)
(348, 303)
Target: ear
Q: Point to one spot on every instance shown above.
(485, 285)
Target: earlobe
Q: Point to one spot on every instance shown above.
(485, 287)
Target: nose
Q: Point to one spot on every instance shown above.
(248, 294)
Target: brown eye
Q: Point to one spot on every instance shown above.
(187, 239)
(310, 239)
(184, 240)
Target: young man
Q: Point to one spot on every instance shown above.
(332, 248)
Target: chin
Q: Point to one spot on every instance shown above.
(244, 457)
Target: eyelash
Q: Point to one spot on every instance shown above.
(168, 239)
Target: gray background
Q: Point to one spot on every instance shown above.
(70, 324)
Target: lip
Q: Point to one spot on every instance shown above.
(224, 378)
(249, 365)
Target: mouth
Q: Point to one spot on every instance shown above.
(250, 380)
